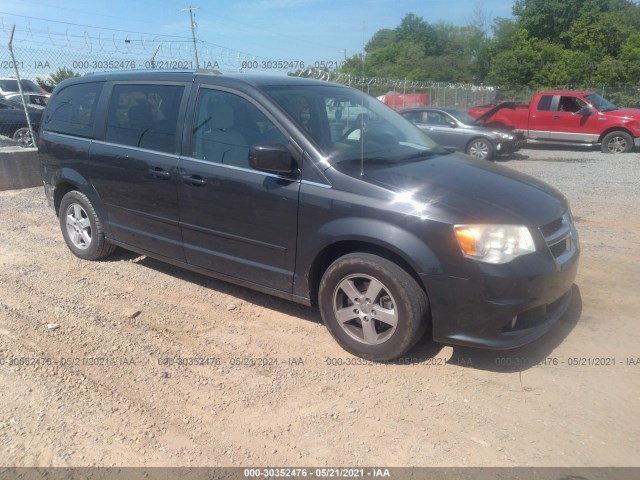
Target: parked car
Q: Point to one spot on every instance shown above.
(13, 121)
(10, 86)
(568, 117)
(33, 99)
(244, 179)
(456, 130)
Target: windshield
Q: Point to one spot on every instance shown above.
(602, 104)
(347, 124)
(462, 117)
(11, 85)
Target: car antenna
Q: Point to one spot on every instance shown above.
(362, 103)
(362, 121)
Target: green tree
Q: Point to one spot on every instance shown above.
(418, 50)
(50, 81)
(561, 43)
(546, 19)
(517, 65)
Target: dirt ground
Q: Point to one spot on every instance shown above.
(132, 362)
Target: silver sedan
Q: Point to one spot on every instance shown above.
(456, 130)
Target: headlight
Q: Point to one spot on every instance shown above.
(505, 135)
(494, 243)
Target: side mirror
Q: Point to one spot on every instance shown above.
(453, 124)
(272, 158)
(585, 111)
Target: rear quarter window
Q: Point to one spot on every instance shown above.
(144, 116)
(72, 110)
(544, 104)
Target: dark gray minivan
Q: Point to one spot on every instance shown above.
(314, 192)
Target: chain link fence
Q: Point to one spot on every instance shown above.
(439, 94)
(47, 58)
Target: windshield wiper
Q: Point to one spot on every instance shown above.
(426, 154)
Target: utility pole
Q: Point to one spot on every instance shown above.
(153, 57)
(193, 32)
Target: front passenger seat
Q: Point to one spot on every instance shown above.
(221, 143)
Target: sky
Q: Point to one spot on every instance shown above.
(309, 31)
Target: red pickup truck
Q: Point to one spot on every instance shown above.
(568, 117)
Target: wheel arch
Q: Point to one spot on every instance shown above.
(614, 129)
(68, 180)
(338, 249)
(479, 137)
(60, 191)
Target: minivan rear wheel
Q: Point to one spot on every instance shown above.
(372, 307)
(82, 228)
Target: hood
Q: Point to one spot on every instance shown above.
(624, 112)
(468, 190)
(489, 113)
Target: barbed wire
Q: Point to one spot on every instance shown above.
(40, 53)
(37, 46)
(360, 81)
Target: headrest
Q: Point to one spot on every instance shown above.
(222, 116)
(141, 115)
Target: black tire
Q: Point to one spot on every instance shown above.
(617, 142)
(398, 299)
(81, 227)
(480, 148)
(23, 137)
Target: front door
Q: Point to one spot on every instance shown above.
(556, 118)
(235, 220)
(438, 125)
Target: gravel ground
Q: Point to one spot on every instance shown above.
(86, 381)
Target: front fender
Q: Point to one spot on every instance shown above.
(359, 232)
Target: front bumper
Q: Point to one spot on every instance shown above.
(507, 147)
(502, 306)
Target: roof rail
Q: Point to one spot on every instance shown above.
(208, 70)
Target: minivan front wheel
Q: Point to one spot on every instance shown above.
(372, 307)
(81, 227)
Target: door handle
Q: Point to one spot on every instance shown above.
(556, 117)
(160, 172)
(195, 180)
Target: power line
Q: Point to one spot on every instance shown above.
(89, 26)
(242, 23)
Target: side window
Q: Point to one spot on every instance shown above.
(436, 118)
(144, 116)
(570, 104)
(226, 125)
(544, 104)
(414, 117)
(73, 109)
